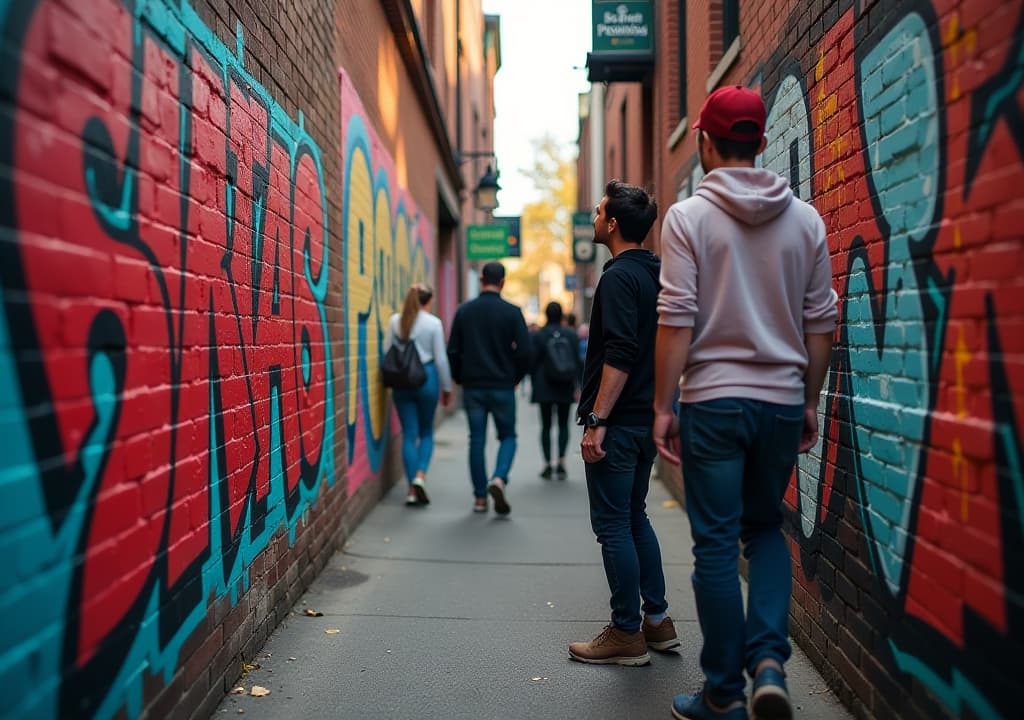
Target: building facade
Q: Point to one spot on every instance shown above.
(901, 123)
(209, 210)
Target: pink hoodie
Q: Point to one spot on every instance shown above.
(746, 265)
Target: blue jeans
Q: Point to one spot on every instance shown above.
(478, 402)
(617, 486)
(416, 416)
(738, 456)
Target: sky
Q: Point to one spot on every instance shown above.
(536, 90)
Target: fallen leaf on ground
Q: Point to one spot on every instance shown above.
(314, 613)
(259, 691)
(669, 504)
(292, 659)
(538, 679)
(332, 631)
(249, 667)
(238, 690)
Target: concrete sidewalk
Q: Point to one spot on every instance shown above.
(443, 613)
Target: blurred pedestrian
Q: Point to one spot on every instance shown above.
(615, 407)
(490, 352)
(555, 377)
(747, 315)
(416, 407)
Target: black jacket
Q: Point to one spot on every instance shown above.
(489, 346)
(623, 325)
(545, 391)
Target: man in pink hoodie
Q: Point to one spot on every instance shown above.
(746, 318)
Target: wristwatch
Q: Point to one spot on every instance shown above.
(593, 421)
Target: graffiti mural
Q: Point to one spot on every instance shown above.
(911, 146)
(388, 244)
(165, 366)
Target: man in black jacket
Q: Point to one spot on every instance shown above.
(616, 406)
(489, 350)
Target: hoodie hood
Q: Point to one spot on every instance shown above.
(751, 195)
(642, 256)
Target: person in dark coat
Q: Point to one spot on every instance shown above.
(554, 394)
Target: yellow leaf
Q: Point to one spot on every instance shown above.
(332, 631)
(669, 504)
(259, 691)
(238, 690)
(314, 613)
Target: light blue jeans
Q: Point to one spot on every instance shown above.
(416, 410)
(738, 456)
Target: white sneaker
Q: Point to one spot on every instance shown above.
(419, 488)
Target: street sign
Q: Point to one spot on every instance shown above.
(582, 237)
(486, 242)
(623, 26)
(570, 282)
(515, 240)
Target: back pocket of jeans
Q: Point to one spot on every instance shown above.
(786, 433)
(712, 431)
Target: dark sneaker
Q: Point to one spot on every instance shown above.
(612, 647)
(420, 488)
(661, 636)
(560, 472)
(546, 473)
(497, 492)
(480, 505)
(694, 707)
(411, 498)
(770, 700)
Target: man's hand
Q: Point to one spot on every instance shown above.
(446, 398)
(593, 438)
(809, 436)
(666, 436)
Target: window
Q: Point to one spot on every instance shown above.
(730, 22)
(682, 59)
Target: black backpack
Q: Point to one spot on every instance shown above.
(402, 368)
(559, 358)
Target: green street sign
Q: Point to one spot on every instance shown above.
(623, 26)
(486, 242)
(583, 237)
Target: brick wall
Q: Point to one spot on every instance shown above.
(194, 205)
(901, 122)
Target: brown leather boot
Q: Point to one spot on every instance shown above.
(661, 636)
(612, 647)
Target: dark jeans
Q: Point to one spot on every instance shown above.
(416, 408)
(546, 409)
(738, 456)
(479, 402)
(617, 486)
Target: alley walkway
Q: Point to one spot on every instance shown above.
(442, 613)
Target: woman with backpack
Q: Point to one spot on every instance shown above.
(555, 378)
(416, 406)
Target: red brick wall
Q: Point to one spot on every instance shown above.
(901, 122)
(178, 358)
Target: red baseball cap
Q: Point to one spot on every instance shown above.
(729, 105)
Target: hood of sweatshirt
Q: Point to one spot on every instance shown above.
(751, 195)
(642, 256)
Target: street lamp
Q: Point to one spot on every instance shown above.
(485, 194)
